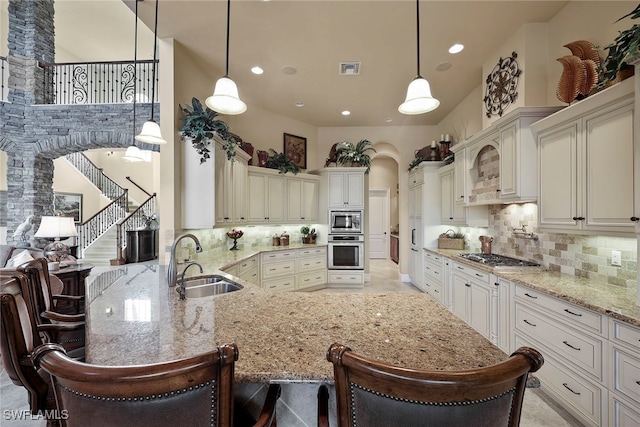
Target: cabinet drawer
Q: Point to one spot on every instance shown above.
(428, 256)
(582, 350)
(570, 312)
(621, 414)
(626, 374)
(278, 255)
(625, 334)
(252, 275)
(312, 252)
(312, 279)
(279, 285)
(471, 272)
(274, 269)
(248, 264)
(435, 291)
(578, 395)
(346, 277)
(310, 264)
(433, 271)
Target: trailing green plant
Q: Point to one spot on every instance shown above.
(281, 162)
(354, 155)
(624, 47)
(415, 162)
(199, 126)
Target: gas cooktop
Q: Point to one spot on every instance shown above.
(494, 260)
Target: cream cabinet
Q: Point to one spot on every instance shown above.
(471, 297)
(230, 186)
(249, 269)
(452, 212)
(302, 199)
(586, 165)
(624, 374)
(289, 270)
(433, 276)
(266, 196)
(346, 190)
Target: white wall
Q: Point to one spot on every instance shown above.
(384, 174)
(67, 179)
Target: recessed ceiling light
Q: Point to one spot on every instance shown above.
(456, 48)
(388, 120)
(443, 66)
(288, 69)
(346, 112)
(257, 70)
(299, 104)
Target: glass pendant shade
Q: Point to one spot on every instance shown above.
(151, 133)
(225, 99)
(133, 154)
(419, 99)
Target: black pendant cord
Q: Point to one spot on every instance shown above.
(226, 70)
(153, 69)
(135, 71)
(418, 37)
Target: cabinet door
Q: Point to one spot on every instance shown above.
(336, 185)
(257, 198)
(415, 201)
(508, 160)
(275, 199)
(608, 167)
(223, 188)
(480, 308)
(355, 190)
(458, 294)
(239, 195)
(558, 195)
(309, 201)
(459, 174)
(446, 196)
(294, 205)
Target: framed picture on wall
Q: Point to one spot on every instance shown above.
(295, 148)
(68, 204)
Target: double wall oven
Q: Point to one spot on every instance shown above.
(346, 240)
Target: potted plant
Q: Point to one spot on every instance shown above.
(624, 48)
(199, 126)
(355, 155)
(281, 162)
(451, 240)
(305, 233)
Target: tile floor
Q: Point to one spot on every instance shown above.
(538, 410)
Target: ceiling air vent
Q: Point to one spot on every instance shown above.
(349, 68)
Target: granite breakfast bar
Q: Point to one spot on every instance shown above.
(281, 337)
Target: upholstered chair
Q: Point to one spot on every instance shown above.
(371, 393)
(197, 391)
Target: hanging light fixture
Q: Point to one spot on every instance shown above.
(419, 99)
(133, 153)
(225, 99)
(150, 129)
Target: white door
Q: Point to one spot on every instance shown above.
(379, 223)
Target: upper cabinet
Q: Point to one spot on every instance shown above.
(586, 165)
(498, 164)
(341, 188)
(213, 192)
(303, 199)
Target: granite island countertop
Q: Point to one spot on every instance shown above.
(281, 336)
(615, 301)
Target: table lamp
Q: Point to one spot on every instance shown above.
(56, 227)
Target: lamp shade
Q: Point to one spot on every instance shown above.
(133, 154)
(151, 133)
(60, 227)
(225, 99)
(419, 99)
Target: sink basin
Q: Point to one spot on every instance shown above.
(209, 286)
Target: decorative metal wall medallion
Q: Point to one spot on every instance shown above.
(502, 84)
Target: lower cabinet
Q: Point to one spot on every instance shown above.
(433, 276)
(471, 297)
(624, 375)
(293, 269)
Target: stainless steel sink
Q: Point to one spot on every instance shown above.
(209, 286)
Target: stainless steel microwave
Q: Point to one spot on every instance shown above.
(346, 221)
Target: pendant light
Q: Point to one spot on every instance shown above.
(150, 129)
(419, 99)
(225, 99)
(133, 153)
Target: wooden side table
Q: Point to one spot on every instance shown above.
(73, 278)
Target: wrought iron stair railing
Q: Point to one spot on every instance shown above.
(96, 175)
(90, 230)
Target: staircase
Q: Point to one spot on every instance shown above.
(103, 249)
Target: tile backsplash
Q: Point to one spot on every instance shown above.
(578, 255)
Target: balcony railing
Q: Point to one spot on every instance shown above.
(4, 79)
(98, 82)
